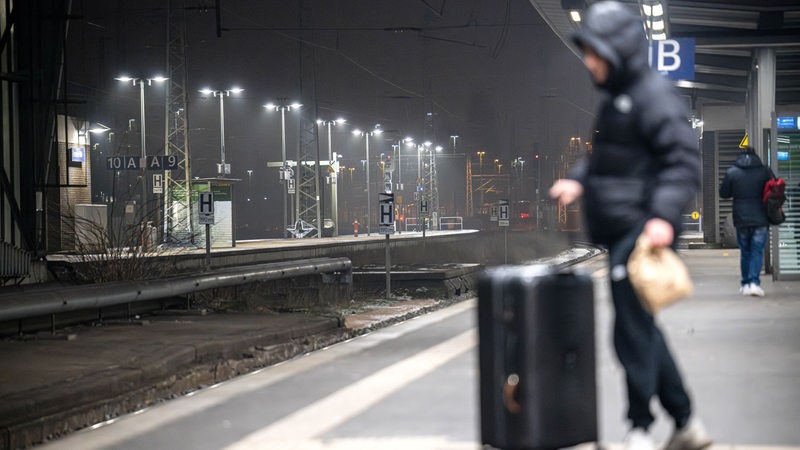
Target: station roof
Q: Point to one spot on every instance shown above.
(726, 32)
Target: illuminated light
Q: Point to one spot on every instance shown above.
(575, 15)
(657, 25)
(659, 36)
(654, 10)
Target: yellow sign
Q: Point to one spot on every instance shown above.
(745, 142)
(695, 215)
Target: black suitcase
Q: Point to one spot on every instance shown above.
(537, 358)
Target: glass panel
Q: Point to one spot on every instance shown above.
(788, 162)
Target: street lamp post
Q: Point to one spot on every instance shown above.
(480, 159)
(143, 162)
(367, 135)
(222, 168)
(333, 161)
(282, 106)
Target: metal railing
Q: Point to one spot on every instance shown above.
(451, 223)
(41, 302)
(690, 224)
(412, 224)
(14, 262)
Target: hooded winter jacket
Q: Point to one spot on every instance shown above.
(644, 161)
(744, 181)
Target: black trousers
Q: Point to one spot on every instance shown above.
(649, 367)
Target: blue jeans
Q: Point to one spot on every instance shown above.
(751, 242)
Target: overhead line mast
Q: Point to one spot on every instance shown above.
(177, 187)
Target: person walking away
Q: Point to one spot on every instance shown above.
(744, 182)
(643, 171)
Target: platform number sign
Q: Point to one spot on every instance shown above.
(674, 58)
(205, 208)
(503, 213)
(386, 219)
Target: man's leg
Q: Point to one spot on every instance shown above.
(743, 237)
(671, 391)
(633, 342)
(634, 332)
(758, 242)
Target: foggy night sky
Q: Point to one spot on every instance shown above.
(489, 71)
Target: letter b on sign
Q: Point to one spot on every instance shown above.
(674, 58)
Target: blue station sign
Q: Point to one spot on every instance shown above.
(674, 58)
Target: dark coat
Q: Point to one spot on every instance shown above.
(645, 161)
(744, 181)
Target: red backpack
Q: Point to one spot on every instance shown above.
(773, 197)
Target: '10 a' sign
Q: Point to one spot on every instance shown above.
(154, 162)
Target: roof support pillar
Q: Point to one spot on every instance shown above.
(761, 99)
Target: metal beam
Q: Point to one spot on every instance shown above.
(41, 302)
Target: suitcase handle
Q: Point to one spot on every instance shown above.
(510, 394)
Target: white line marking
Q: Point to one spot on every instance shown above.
(356, 398)
(393, 443)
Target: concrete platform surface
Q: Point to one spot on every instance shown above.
(49, 386)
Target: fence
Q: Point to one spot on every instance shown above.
(451, 223)
(691, 224)
(14, 262)
(445, 223)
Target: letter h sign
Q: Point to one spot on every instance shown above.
(386, 204)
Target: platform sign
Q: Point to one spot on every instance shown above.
(386, 217)
(423, 208)
(674, 58)
(152, 162)
(493, 213)
(205, 208)
(503, 209)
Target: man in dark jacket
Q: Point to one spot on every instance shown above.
(744, 181)
(643, 171)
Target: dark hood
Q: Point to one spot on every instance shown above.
(617, 35)
(748, 159)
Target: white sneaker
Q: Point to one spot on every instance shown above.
(755, 290)
(744, 290)
(692, 436)
(639, 439)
